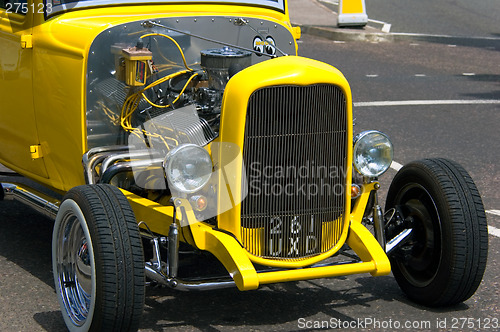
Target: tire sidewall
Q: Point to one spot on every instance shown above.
(67, 208)
(420, 176)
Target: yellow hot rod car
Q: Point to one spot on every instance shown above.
(168, 132)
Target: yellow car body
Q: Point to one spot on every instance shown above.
(57, 60)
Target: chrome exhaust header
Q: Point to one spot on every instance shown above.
(166, 274)
(183, 285)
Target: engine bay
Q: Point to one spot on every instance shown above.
(156, 85)
(170, 78)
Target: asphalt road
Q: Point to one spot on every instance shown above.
(444, 17)
(465, 129)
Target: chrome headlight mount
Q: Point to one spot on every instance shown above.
(188, 169)
(372, 153)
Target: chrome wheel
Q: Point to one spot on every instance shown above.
(74, 270)
(98, 261)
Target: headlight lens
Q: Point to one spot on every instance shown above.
(188, 168)
(373, 153)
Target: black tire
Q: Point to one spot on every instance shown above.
(444, 261)
(98, 260)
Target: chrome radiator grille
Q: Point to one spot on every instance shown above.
(295, 154)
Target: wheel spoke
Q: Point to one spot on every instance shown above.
(74, 270)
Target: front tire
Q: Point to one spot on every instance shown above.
(98, 261)
(444, 261)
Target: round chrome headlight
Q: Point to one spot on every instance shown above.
(373, 153)
(188, 168)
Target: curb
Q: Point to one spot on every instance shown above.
(340, 34)
(346, 34)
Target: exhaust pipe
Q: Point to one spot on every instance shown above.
(168, 277)
(183, 285)
(40, 202)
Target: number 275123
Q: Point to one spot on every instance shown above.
(24, 8)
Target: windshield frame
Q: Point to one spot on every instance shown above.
(58, 6)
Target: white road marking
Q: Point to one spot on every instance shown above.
(494, 231)
(386, 27)
(444, 36)
(425, 102)
(495, 212)
(396, 166)
(333, 2)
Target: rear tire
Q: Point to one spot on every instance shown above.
(98, 261)
(444, 261)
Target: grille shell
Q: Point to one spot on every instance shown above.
(295, 152)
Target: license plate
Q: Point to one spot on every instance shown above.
(293, 236)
